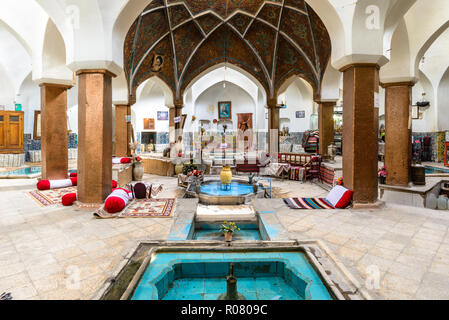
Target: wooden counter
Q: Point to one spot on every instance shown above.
(159, 166)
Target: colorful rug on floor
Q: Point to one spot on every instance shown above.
(50, 197)
(147, 208)
(308, 203)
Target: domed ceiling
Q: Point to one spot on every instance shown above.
(176, 40)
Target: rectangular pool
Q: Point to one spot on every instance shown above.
(202, 276)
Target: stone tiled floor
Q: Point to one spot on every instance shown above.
(64, 253)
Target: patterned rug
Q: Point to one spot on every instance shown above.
(308, 203)
(147, 208)
(50, 197)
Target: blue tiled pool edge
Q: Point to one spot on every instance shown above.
(160, 272)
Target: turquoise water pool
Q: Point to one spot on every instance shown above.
(435, 170)
(201, 276)
(23, 172)
(235, 189)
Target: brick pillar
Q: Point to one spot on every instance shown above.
(54, 131)
(398, 147)
(122, 130)
(361, 84)
(95, 135)
(273, 125)
(326, 125)
(175, 111)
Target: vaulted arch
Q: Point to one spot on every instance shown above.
(270, 40)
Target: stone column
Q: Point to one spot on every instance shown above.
(398, 147)
(273, 125)
(54, 138)
(122, 130)
(326, 125)
(175, 111)
(95, 135)
(360, 91)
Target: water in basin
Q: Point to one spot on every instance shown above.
(202, 276)
(236, 189)
(434, 170)
(22, 172)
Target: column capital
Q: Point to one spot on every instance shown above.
(96, 71)
(359, 65)
(398, 84)
(359, 60)
(326, 102)
(66, 84)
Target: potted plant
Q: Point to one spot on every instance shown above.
(138, 169)
(228, 228)
(382, 175)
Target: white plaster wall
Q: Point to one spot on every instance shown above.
(206, 106)
(147, 106)
(298, 97)
(72, 109)
(443, 103)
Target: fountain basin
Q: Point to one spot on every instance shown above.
(239, 192)
(202, 276)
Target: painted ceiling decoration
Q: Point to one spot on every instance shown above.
(176, 40)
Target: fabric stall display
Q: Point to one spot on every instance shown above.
(297, 173)
(56, 184)
(121, 160)
(310, 141)
(427, 149)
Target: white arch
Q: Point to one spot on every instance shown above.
(148, 84)
(128, 14)
(327, 12)
(52, 68)
(228, 66)
(219, 76)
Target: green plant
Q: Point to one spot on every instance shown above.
(229, 227)
(189, 167)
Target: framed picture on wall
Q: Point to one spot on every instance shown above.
(225, 110)
(162, 115)
(149, 124)
(300, 114)
(37, 132)
(415, 112)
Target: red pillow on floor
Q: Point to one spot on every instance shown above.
(340, 197)
(68, 199)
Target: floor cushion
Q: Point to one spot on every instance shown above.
(340, 197)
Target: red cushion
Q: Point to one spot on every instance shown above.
(68, 199)
(125, 160)
(43, 185)
(114, 204)
(73, 174)
(74, 181)
(340, 197)
(114, 184)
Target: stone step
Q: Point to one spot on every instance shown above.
(225, 213)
